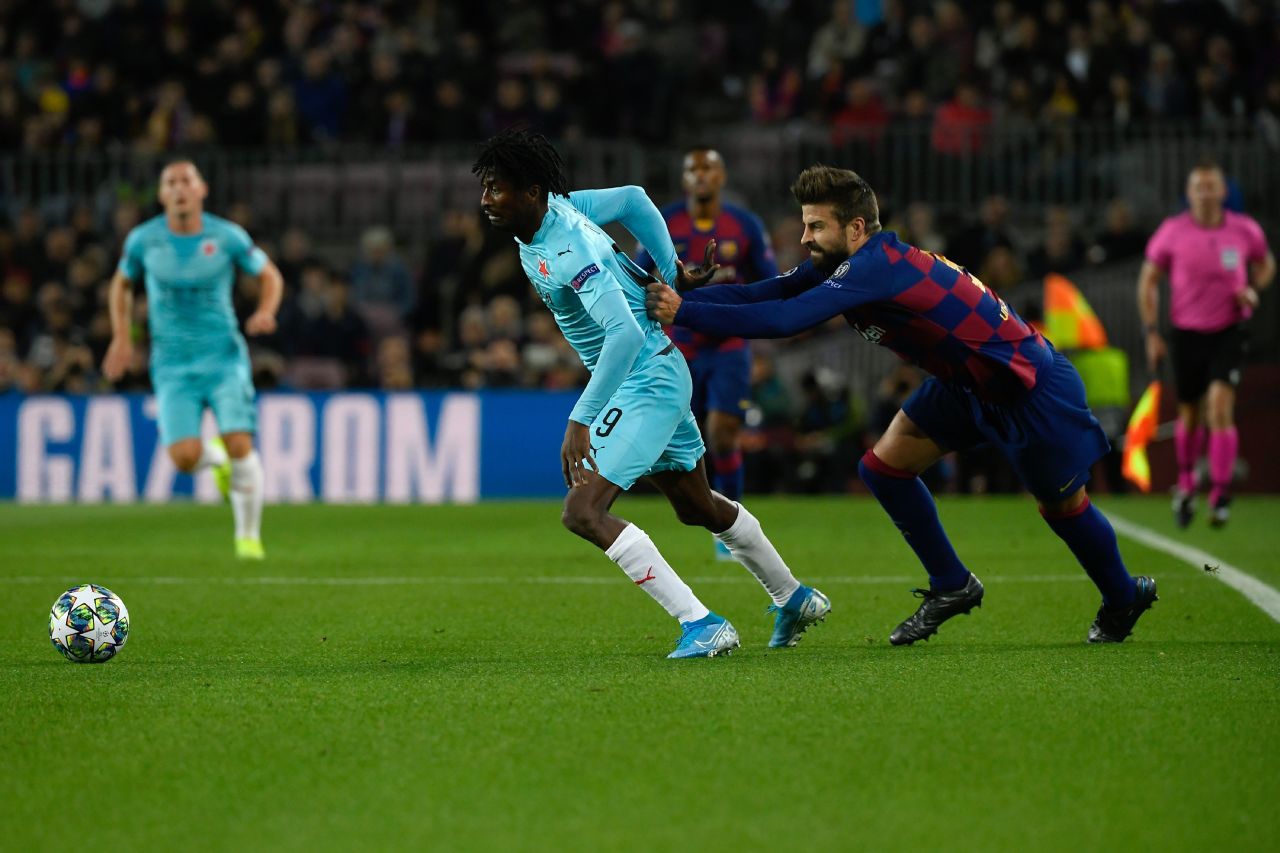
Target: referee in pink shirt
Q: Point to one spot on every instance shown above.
(1216, 262)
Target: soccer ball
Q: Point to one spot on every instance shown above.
(88, 624)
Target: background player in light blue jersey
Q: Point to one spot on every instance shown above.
(188, 260)
(633, 419)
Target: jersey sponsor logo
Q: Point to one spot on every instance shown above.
(208, 248)
(567, 251)
(582, 276)
(1231, 259)
(875, 334)
(543, 268)
(728, 249)
(841, 270)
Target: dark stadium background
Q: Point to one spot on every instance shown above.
(1020, 138)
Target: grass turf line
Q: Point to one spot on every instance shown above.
(545, 716)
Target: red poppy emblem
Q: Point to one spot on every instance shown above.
(542, 268)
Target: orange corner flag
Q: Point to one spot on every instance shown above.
(1069, 320)
(1142, 428)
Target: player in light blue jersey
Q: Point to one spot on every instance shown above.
(188, 260)
(633, 419)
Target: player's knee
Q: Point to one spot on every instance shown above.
(872, 468)
(185, 457)
(238, 444)
(693, 513)
(579, 520)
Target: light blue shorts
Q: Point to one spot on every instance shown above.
(181, 397)
(647, 427)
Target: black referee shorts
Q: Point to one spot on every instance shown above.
(1203, 357)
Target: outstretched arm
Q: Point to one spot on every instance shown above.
(785, 286)
(775, 318)
(631, 207)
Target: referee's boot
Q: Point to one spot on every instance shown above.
(1220, 514)
(937, 607)
(1113, 624)
(1184, 508)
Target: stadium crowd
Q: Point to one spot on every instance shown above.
(162, 74)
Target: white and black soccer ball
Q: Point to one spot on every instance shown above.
(88, 624)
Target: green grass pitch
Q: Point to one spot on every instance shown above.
(475, 678)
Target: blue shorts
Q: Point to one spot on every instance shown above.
(647, 427)
(182, 396)
(721, 381)
(1050, 436)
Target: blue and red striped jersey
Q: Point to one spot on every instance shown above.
(742, 250)
(922, 306)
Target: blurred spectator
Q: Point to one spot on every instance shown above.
(1001, 271)
(917, 228)
(863, 118)
(836, 42)
(960, 125)
(395, 369)
(1120, 239)
(1165, 92)
(326, 333)
(1062, 250)
(321, 96)
(969, 246)
(384, 291)
(825, 437)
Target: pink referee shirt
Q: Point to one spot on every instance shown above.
(1207, 267)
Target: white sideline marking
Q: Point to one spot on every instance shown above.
(464, 580)
(1265, 596)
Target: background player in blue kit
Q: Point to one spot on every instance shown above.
(188, 259)
(994, 380)
(720, 366)
(633, 418)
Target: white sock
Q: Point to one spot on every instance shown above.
(211, 456)
(750, 547)
(635, 552)
(246, 495)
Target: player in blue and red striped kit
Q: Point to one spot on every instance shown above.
(994, 380)
(720, 365)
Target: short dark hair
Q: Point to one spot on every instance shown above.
(525, 158)
(849, 195)
(1207, 163)
(689, 149)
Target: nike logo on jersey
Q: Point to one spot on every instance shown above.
(1068, 485)
(648, 577)
(566, 251)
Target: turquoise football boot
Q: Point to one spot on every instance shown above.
(707, 637)
(806, 606)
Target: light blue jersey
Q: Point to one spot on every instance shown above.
(637, 401)
(198, 356)
(189, 279)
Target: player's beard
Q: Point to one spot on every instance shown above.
(826, 260)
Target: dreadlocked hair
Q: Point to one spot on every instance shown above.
(525, 158)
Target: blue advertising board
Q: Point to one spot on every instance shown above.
(343, 447)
